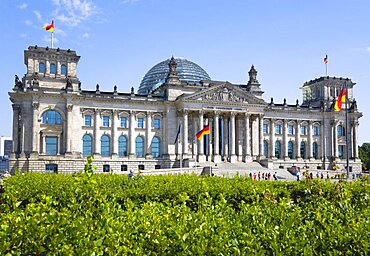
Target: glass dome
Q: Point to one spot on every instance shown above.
(186, 70)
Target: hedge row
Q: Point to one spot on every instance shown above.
(182, 215)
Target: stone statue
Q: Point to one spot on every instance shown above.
(132, 90)
(97, 87)
(69, 84)
(35, 80)
(115, 89)
(79, 86)
(284, 101)
(17, 83)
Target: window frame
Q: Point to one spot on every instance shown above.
(86, 121)
(140, 122)
(106, 121)
(106, 146)
(50, 151)
(156, 123)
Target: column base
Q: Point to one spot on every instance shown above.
(217, 158)
(201, 158)
(248, 159)
(233, 159)
(259, 158)
(68, 155)
(34, 154)
(114, 156)
(131, 156)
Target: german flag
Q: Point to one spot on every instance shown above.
(202, 132)
(341, 99)
(49, 27)
(326, 60)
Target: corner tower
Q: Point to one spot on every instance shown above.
(50, 68)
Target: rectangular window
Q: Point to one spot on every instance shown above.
(303, 130)
(123, 122)
(140, 122)
(87, 120)
(278, 129)
(124, 168)
(157, 166)
(106, 121)
(315, 131)
(290, 129)
(265, 128)
(156, 123)
(51, 145)
(51, 168)
(106, 168)
(141, 167)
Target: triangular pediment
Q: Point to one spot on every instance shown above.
(224, 93)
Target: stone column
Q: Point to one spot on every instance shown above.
(355, 145)
(323, 142)
(232, 138)
(47, 68)
(285, 139)
(185, 143)
(209, 144)
(131, 135)
(148, 129)
(335, 139)
(97, 124)
(247, 145)
(164, 145)
(16, 112)
(68, 138)
(298, 140)
(115, 121)
(194, 139)
(217, 157)
(201, 156)
(226, 137)
(272, 138)
(310, 141)
(260, 134)
(35, 130)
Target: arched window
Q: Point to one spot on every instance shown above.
(290, 149)
(63, 70)
(139, 146)
(86, 145)
(122, 146)
(341, 131)
(53, 68)
(303, 150)
(315, 150)
(51, 117)
(156, 147)
(105, 145)
(42, 68)
(265, 148)
(278, 149)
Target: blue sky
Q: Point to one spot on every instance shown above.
(120, 40)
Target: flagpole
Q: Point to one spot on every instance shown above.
(347, 138)
(52, 40)
(326, 69)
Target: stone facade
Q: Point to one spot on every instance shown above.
(56, 123)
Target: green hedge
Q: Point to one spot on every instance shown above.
(182, 215)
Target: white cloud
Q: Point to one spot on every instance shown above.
(38, 15)
(73, 12)
(368, 49)
(86, 35)
(22, 6)
(28, 22)
(23, 35)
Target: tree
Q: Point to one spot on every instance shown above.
(364, 154)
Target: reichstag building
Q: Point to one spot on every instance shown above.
(57, 123)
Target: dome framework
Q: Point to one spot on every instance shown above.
(187, 71)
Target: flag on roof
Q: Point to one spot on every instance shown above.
(202, 132)
(326, 60)
(49, 27)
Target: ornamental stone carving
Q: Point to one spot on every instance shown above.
(223, 95)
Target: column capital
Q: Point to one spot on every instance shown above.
(233, 114)
(69, 107)
(273, 120)
(216, 112)
(35, 105)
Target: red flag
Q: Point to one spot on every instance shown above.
(326, 60)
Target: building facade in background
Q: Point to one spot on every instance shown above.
(57, 124)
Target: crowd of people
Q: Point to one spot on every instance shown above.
(262, 176)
